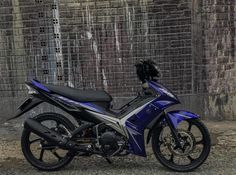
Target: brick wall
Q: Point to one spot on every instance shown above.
(218, 22)
(94, 44)
(100, 43)
(220, 46)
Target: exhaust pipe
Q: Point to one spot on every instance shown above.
(52, 136)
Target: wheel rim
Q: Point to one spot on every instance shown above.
(45, 152)
(192, 145)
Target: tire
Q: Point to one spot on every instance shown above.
(25, 144)
(194, 163)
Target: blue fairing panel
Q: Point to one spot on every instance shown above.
(177, 116)
(39, 85)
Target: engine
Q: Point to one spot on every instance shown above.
(111, 142)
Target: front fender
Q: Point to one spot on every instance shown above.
(178, 116)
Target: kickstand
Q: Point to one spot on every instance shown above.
(108, 160)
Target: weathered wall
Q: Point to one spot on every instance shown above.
(94, 44)
(219, 59)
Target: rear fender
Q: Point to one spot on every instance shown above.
(26, 106)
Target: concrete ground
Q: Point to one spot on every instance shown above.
(222, 159)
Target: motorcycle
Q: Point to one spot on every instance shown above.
(180, 141)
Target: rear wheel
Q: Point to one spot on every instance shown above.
(195, 145)
(39, 152)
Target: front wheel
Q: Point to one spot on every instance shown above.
(195, 145)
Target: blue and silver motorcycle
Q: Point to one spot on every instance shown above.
(180, 141)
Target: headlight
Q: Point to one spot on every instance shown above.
(31, 90)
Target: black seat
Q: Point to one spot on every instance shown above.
(80, 95)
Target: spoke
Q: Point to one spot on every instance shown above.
(55, 154)
(41, 155)
(172, 158)
(35, 140)
(161, 142)
(48, 147)
(57, 124)
(189, 126)
(199, 142)
(191, 159)
(184, 147)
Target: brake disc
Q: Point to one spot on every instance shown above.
(187, 142)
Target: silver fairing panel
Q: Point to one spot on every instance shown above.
(116, 123)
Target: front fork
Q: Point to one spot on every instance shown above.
(172, 129)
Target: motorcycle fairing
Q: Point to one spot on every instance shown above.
(137, 123)
(40, 86)
(163, 91)
(86, 105)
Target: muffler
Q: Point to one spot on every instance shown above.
(53, 137)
